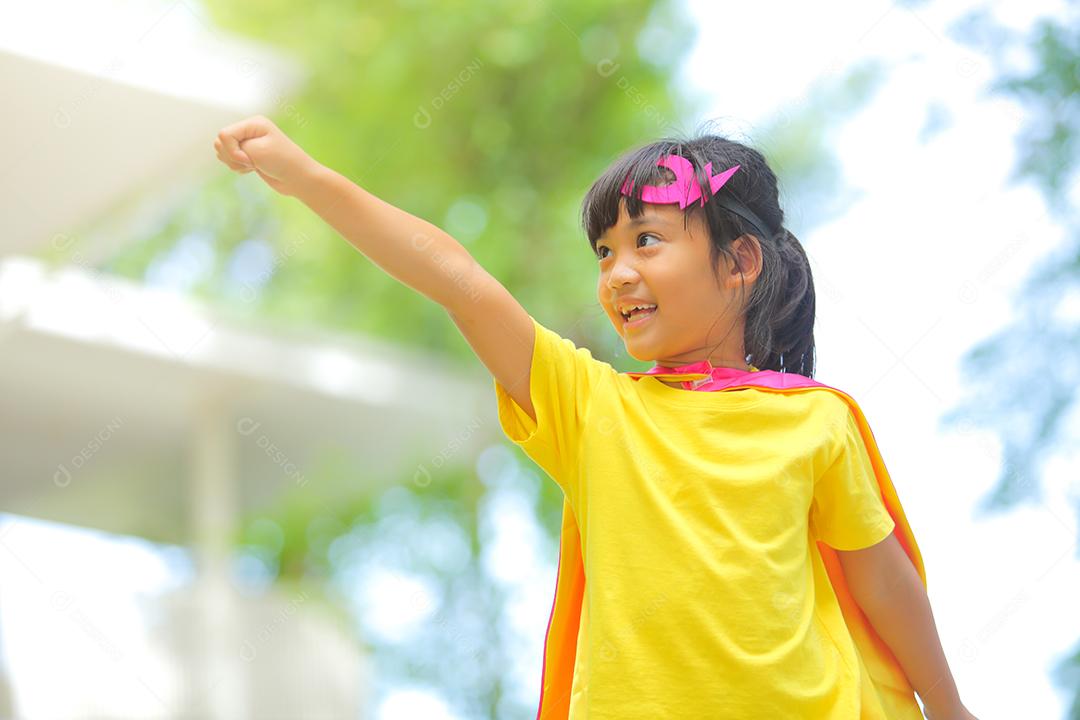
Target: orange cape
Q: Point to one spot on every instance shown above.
(886, 691)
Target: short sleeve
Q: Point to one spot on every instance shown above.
(562, 380)
(847, 511)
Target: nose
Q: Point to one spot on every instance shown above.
(622, 272)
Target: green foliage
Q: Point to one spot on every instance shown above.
(487, 119)
(1025, 372)
(1024, 361)
(1051, 93)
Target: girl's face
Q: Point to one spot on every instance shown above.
(656, 259)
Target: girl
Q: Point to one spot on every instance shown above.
(732, 545)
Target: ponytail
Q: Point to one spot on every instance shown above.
(779, 333)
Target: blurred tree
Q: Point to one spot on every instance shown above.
(1025, 372)
(488, 119)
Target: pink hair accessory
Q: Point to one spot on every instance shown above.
(685, 189)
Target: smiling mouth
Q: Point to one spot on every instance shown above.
(638, 315)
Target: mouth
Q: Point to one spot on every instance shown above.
(637, 318)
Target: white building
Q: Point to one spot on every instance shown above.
(142, 413)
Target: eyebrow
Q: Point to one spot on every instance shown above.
(639, 220)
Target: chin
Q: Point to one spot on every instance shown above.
(638, 354)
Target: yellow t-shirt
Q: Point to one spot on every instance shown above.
(699, 512)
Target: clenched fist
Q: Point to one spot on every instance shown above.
(256, 144)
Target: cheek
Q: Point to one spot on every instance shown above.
(696, 286)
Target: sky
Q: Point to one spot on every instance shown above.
(925, 166)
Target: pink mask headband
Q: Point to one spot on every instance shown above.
(686, 189)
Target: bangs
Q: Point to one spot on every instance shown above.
(600, 208)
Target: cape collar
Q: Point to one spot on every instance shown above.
(700, 375)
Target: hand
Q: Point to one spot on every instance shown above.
(256, 144)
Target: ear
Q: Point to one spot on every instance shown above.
(746, 250)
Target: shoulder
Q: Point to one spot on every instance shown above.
(831, 404)
(565, 354)
(819, 404)
(826, 419)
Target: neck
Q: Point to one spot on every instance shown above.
(678, 362)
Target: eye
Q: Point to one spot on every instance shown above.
(600, 248)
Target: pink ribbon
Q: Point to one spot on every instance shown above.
(685, 189)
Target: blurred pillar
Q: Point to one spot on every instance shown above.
(7, 704)
(217, 681)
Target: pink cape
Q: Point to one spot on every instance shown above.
(886, 691)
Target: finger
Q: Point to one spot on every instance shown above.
(232, 135)
(219, 151)
(230, 163)
(255, 147)
(241, 159)
(230, 147)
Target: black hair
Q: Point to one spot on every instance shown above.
(779, 331)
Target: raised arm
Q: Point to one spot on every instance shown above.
(410, 249)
